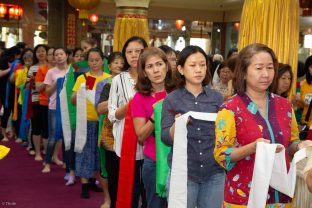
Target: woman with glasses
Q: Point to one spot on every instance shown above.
(19, 77)
(122, 91)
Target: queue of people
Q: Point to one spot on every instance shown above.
(83, 107)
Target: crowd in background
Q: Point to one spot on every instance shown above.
(78, 102)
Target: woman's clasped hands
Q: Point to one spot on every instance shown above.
(279, 147)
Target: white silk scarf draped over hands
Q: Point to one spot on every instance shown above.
(270, 170)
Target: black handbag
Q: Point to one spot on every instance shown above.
(305, 129)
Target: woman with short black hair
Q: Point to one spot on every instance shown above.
(205, 179)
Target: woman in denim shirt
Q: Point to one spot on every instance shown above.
(205, 183)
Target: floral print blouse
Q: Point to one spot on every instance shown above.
(239, 123)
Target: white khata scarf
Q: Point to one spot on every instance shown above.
(65, 117)
(270, 170)
(81, 118)
(178, 179)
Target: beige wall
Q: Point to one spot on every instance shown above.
(29, 26)
(177, 13)
(185, 14)
(232, 15)
(106, 9)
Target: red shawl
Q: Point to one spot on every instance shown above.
(127, 163)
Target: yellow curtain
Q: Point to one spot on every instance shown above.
(274, 23)
(128, 25)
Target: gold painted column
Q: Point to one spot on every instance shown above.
(274, 23)
(131, 20)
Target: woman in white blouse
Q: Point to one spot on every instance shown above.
(122, 90)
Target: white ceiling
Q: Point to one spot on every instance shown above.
(219, 5)
(210, 5)
(200, 4)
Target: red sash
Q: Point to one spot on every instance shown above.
(127, 163)
(309, 135)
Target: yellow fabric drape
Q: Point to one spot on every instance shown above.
(274, 23)
(15, 107)
(20, 79)
(3, 151)
(127, 26)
